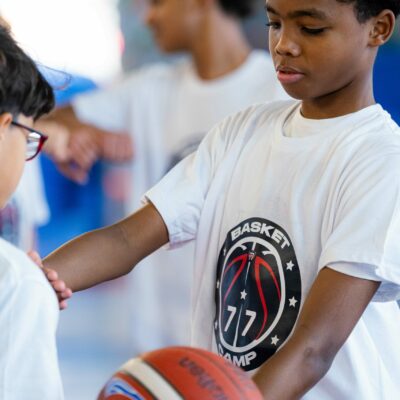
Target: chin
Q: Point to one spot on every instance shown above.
(295, 94)
(299, 92)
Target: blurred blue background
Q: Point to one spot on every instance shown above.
(94, 333)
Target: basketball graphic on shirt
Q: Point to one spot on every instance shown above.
(258, 292)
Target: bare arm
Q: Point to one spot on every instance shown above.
(333, 307)
(109, 253)
(108, 145)
(76, 146)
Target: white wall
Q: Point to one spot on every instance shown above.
(79, 36)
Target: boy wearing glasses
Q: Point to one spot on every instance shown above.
(28, 307)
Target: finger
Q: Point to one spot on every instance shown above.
(84, 149)
(127, 148)
(51, 275)
(34, 256)
(58, 285)
(65, 294)
(84, 158)
(73, 172)
(63, 305)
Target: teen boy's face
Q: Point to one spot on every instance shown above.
(318, 46)
(12, 155)
(173, 23)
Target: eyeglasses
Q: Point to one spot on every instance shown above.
(34, 141)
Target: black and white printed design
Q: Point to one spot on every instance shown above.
(258, 292)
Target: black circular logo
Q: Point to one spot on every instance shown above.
(258, 292)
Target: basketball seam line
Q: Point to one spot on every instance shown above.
(141, 383)
(159, 372)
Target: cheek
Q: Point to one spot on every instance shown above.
(10, 175)
(12, 155)
(343, 70)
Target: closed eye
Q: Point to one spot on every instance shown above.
(313, 31)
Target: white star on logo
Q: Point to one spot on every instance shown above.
(217, 284)
(274, 340)
(216, 324)
(292, 302)
(290, 266)
(243, 295)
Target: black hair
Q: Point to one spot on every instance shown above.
(238, 8)
(23, 89)
(366, 9)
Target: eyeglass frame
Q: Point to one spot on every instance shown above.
(41, 142)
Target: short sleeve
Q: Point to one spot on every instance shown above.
(365, 233)
(107, 108)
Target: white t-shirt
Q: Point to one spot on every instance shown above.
(168, 109)
(270, 211)
(28, 323)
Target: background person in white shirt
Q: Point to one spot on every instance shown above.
(28, 355)
(294, 208)
(167, 108)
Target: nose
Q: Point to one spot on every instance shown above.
(286, 44)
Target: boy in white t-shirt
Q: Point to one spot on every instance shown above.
(167, 108)
(294, 207)
(28, 306)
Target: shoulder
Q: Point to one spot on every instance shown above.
(148, 82)
(250, 120)
(379, 135)
(16, 267)
(260, 113)
(371, 152)
(159, 71)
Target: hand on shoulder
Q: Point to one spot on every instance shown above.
(62, 291)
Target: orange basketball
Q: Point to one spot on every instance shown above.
(177, 373)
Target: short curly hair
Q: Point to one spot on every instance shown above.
(23, 89)
(366, 9)
(238, 8)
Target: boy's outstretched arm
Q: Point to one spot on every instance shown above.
(109, 253)
(333, 307)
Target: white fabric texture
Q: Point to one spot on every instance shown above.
(168, 109)
(28, 323)
(326, 198)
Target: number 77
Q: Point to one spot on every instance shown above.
(251, 314)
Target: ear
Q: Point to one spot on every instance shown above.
(382, 27)
(5, 121)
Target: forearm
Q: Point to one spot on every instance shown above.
(110, 252)
(291, 372)
(333, 306)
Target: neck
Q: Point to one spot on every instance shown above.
(220, 48)
(349, 99)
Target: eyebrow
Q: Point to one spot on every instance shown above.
(309, 12)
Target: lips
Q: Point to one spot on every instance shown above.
(288, 75)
